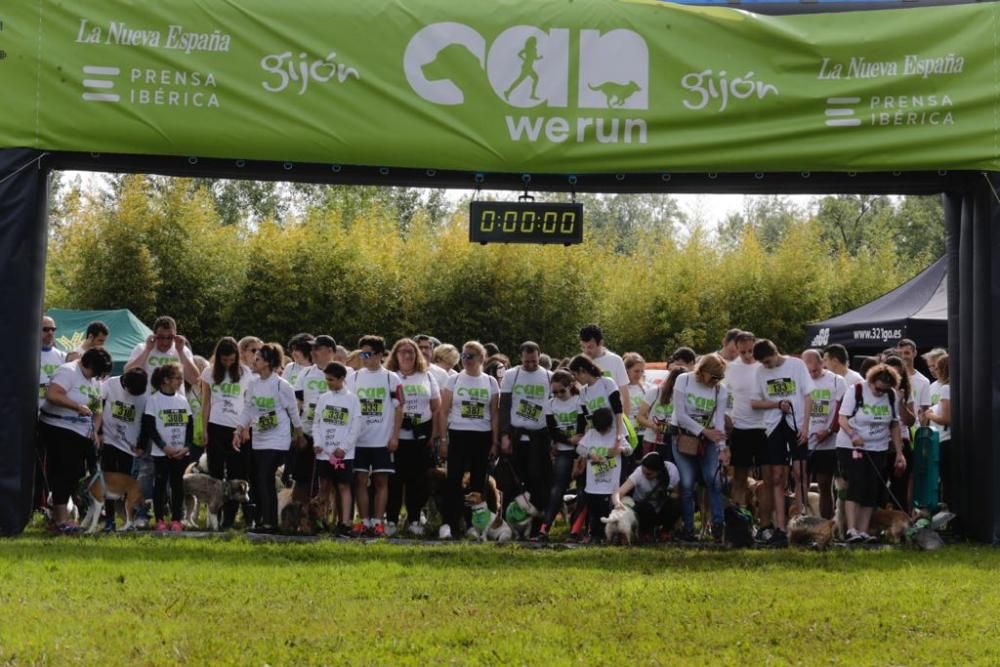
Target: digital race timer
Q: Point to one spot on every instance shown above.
(525, 222)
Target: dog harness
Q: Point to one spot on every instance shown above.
(481, 518)
(515, 513)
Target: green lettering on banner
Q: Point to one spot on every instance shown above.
(543, 87)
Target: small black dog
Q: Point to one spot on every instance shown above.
(739, 527)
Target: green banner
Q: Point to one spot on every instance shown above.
(513, 86)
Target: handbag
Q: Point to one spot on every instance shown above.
(694, 445)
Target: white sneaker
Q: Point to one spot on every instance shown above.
(445, 532)
(416, 529)
(390, 528)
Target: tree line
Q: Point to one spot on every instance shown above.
(239, 258)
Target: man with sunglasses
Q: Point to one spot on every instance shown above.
(784, 394)
(379, 392)
(50, 359)
(164, 346)
(524, 434)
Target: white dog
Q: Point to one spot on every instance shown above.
(621, 524)
(486, 525)
(520, 513)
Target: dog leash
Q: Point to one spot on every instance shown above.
(881, 479)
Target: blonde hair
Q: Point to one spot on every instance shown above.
(446, 353)
(353, 360)
(632, 359)
(710, 364)
(477, 346)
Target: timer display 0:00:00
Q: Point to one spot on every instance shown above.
(528, 219)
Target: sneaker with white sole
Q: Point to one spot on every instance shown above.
(854, 537)
(390, 528)
(416, 529)
(445, 532)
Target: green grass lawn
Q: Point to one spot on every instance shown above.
(147, 600)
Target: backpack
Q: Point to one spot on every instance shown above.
(859, 392)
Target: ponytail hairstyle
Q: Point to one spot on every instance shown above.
(271, 355)
(667, 388)
(583, 363)
(164, 373)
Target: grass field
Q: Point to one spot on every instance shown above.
(149, 600)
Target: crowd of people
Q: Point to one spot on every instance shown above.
(383, 433)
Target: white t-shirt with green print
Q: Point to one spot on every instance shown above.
(939, 392)
(49, 362)
(227, 397)
(828, 390)
(564, 413)
(79, 389)
(657, 413)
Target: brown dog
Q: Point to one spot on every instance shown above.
(111, 486)
(891, 524)
(810, 529)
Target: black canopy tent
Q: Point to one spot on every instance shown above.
(917, 309)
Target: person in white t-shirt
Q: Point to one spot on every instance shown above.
(867, 427)
(426, 344)
(446, 357)
(938, 417)
(50, 359)
(836, 360)
(635, 368)
(249, 347)
(611, 365)
(118, 425)
(300, 347)
(783, 394)
(748, 439)
(66, 424)
(524, 434)
(700, 401)
(223, 387)
(309, 384)
(827, 394)
(561, 412)
(597, 391)
(656, 414)
(380, 394)
(414, 458)
(271, 415)
(469, 433)
(653, 486)
(335, 435)
(96, 335)
(920, 385)
(168, 432)
(603, 451)
(164, 346)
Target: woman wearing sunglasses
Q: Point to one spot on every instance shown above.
(699, 414)
(471, 402)
(561, 412)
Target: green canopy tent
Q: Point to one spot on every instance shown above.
(126, 331)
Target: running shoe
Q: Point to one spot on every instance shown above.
(161, 526)
(378, 530)
(445, 532)
(389, 528)
(176, 527)
(358, 530)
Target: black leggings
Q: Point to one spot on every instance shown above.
(265, 464)
(409, 484)
(65, 461)
(224, 462)
(562, 475)
(533, 462)
(172, 471)
(114, 460)
(467, 450)
(598, 507)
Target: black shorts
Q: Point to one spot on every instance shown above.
(863, 484)
(748, 447)
(781, 444)
(340, 475)
(115, 460)
(374, 459)
(823, 462)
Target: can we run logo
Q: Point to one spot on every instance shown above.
(526, 67)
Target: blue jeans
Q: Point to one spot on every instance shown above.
(688, 467)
